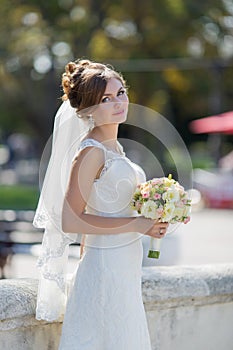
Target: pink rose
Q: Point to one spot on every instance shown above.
(187, 220)
(145, 195)
(156, 181)
(157, 196)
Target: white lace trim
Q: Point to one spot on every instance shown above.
(49, 253)
(94, 143)
(91, 143)
(43, 314)
(40, 219)
(107, 165)
(110, 155)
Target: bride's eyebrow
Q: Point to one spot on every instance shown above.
(107, 94)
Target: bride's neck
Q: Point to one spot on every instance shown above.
(105, 133)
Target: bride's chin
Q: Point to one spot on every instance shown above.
(118, 120)
(122, 119)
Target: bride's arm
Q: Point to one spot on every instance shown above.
(86, 167)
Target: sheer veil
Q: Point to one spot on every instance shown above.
(52, 292)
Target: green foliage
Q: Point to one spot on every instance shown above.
(39, 37)
(18, 197)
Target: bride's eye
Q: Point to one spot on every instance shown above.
(122, 92)
(105, 99)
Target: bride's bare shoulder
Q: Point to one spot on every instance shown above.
(90, 151)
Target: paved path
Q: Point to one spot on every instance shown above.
(207, 239)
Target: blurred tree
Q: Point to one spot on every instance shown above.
(39, 37)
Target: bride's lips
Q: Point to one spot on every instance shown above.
(120, 112)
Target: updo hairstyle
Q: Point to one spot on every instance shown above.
(84, 83)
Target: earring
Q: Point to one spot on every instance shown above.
(91, 122)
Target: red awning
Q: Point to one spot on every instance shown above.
(222, 123)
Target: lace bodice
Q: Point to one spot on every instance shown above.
(112, 192)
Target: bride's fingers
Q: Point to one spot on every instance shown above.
(161, 225)
(161, 231)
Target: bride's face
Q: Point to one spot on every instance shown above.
(113, 107)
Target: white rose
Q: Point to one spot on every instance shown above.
(149, 210)
(168, 214)
(178, 212)
(171, 195)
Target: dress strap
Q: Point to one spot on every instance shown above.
(94, 143)
(91, 143)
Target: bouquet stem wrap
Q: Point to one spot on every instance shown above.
(154, 250)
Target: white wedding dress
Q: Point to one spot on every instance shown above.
(105, 309)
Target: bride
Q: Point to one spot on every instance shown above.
(87, 190)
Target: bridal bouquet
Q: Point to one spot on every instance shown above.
(164, 200)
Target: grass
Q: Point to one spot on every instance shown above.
(18, 197)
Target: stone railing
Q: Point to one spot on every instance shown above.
(187, 308)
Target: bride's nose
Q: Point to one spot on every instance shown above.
(117, 102)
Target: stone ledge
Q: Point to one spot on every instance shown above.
(184, 285)
(168, 286)
(18, 303)
(18, 297)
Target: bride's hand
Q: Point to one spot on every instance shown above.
(158, 229)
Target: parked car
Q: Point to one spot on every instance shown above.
(216, 187)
